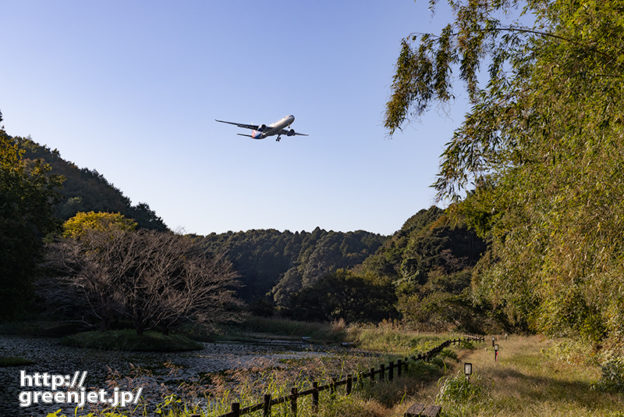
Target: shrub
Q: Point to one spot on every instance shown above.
(612, 379)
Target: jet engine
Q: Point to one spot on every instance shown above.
(291, 132)
(261, 128)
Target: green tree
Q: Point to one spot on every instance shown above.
(27, 195)
(343, 295)
(543, 145)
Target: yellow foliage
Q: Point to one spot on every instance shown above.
(83, 222)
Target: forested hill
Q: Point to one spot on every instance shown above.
(87, 190)
(427, 243)
(281, 263)
(430, 261)
(423, 271)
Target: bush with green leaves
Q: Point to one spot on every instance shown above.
(612, 379)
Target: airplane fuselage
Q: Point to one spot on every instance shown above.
(273, 128)
(279, 128)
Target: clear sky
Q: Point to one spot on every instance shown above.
(132, 88)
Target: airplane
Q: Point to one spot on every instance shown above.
(278, 128)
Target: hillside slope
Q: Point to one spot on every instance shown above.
(87, 190)
(276, 264)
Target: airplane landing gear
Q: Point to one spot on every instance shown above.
(278, 139)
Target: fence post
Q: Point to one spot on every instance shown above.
(382, 371)
(372, 374)
(349, 384)
(293, 400)
(266, 409)
(235, 410)
(315, 397)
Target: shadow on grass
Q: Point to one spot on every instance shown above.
(549, 389)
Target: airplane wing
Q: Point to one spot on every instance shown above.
(242, 134)
(244, 126)
(285, 132)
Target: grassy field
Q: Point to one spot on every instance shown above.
(532, 377)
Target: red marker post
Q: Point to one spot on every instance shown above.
(495, 352)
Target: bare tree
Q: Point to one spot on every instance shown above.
(153, 279)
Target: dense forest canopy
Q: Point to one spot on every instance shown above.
(429, 262)
(274, 265)
(540, 152)
(421, 273)
(87, 190)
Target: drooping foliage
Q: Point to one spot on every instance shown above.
(540, 152)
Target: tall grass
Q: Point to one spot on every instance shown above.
(386, 336)
(390, 336)
(320, 332)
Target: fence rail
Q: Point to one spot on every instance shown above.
(400, 366)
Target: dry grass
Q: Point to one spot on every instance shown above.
(392, 336)
(532, 377)
(528, 380)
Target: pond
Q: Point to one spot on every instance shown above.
(152, 368)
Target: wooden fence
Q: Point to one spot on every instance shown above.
(383, 371)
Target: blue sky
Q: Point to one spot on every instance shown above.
(132, 88)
